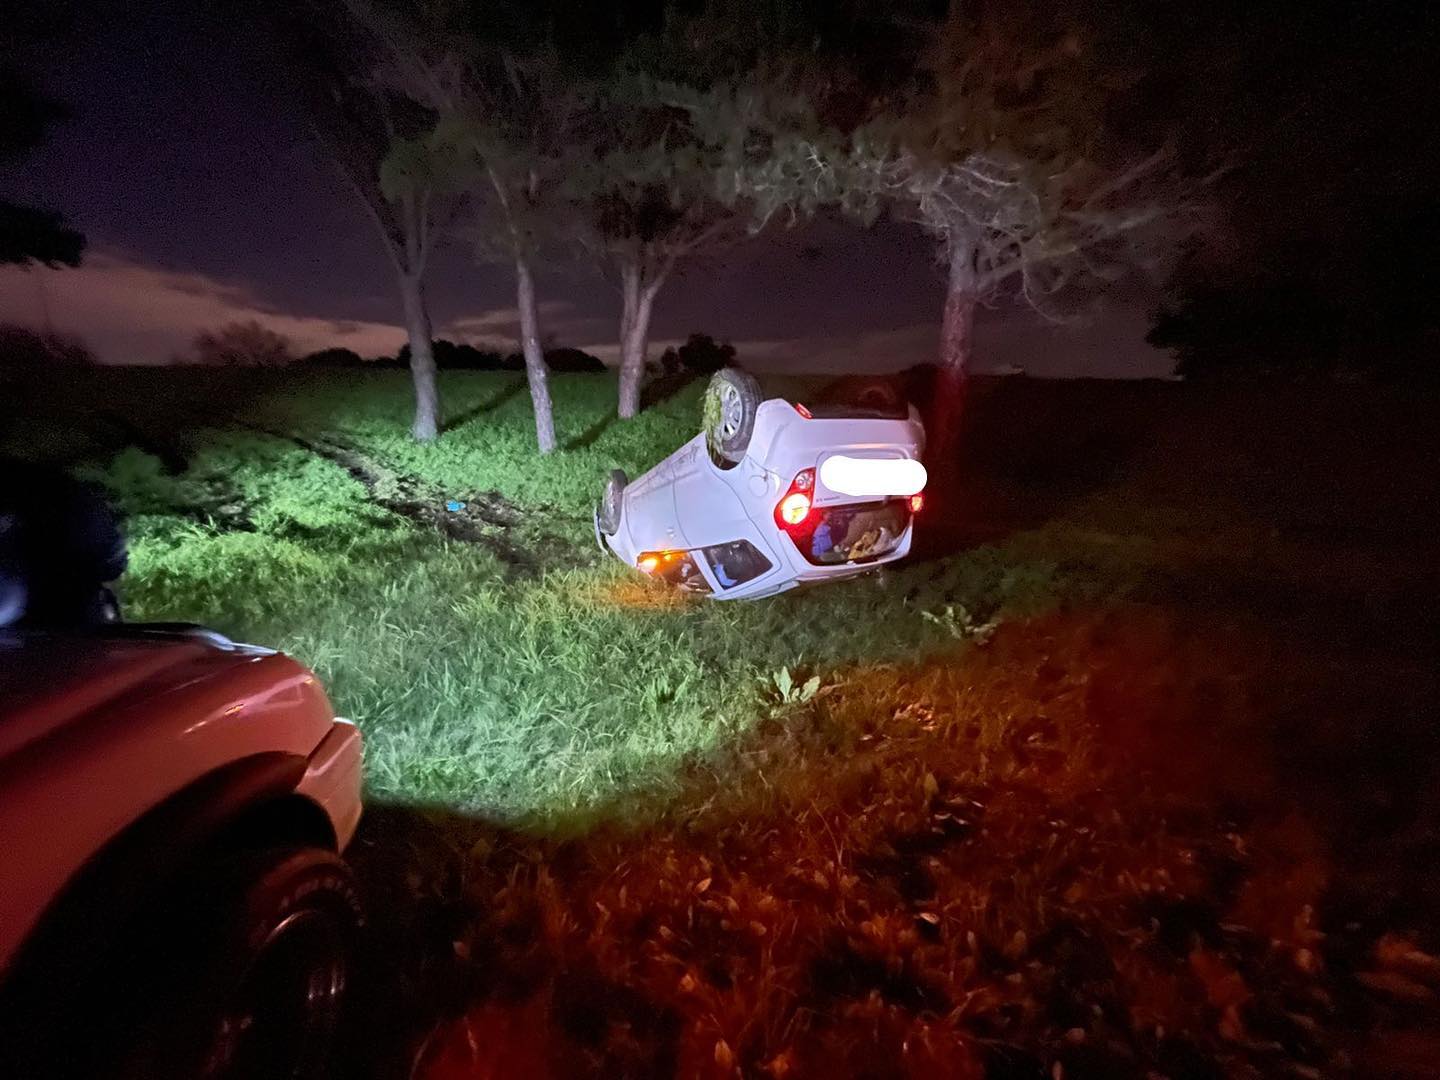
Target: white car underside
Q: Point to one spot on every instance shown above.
(813, 498)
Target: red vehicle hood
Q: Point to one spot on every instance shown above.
(51, 681)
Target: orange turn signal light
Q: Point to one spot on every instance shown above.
(650, 561)
(916, 502)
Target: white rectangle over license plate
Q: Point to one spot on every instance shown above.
(872, 477)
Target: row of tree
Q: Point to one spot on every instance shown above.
(643, 132)
(249, 343)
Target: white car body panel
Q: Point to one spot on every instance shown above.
(687, 502)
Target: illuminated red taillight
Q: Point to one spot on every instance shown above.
(803, 411)
(916, 502)
(794, 506)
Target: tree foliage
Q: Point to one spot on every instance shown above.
(30, 234)
(985, 126)
(699, 354)
(993, 141)
(1322, 255)
(242, 344)
(996, 153)
(645, 187)
(574, 361)
(334, 356)
(507, 108)
(384, 146)
(23, 350)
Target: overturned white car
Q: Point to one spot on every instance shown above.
(771, 495)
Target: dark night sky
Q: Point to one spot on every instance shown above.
(203, 201)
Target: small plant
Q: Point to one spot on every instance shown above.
(710, 408)
(789, 692)
(956, 620)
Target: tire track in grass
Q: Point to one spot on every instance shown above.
(421, 503)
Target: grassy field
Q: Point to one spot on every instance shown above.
(502, 669)
(1130, 770)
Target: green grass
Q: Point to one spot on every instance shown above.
(545, 697)
(1147, 714)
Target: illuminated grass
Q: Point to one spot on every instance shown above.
(907, 846)
(514, 698)
(548, 696)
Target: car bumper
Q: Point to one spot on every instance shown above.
(333, 776)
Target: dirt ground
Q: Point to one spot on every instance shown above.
(1189, 830)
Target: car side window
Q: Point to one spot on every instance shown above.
(736, 563)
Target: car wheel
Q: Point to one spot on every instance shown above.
(267, 957)
(611, 502)
(731, 401)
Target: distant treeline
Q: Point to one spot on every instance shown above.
(1298, 328)
(460, 357)
(250, 345)
(700, 354)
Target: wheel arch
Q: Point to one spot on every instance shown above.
(240, 805)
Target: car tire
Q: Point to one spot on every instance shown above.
(607, 515)
(731, 402)
(267, 944)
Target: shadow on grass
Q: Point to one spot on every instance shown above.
(660, 390)
(456, 958)
(588, 437)
(656, 392)
(508, 393)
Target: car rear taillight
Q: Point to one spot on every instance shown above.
(916, 502)
(803, 411)
(794, 506)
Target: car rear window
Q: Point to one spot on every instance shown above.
(736, 563)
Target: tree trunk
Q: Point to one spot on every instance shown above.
(535, 371)
(633, 347)
(630, 379)
(422, 360)
(957, 342)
